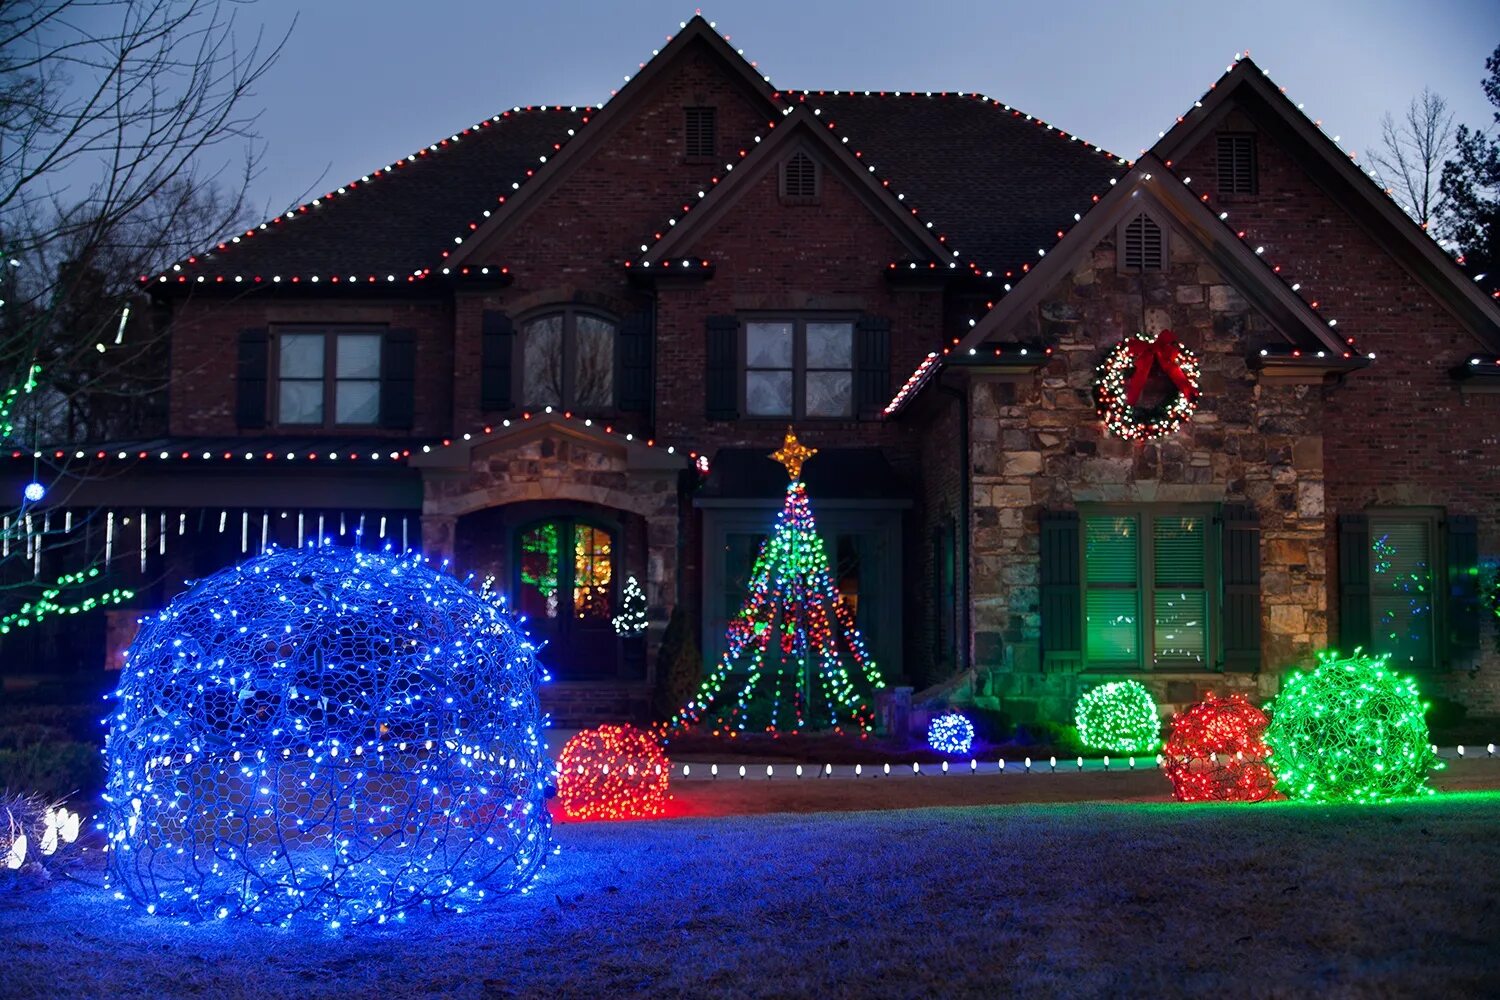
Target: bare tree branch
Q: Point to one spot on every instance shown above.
(1409, 162)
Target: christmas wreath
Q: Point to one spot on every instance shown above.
(1121, 379)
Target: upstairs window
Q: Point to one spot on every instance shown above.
(1237, 173)
(1147, 574)
(327, 378)
(568, 360)
(799, 179)
(700, 139)
(799, 368)
(1143, 245)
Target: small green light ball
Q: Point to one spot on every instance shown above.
(1119, 717)
(1353, 730)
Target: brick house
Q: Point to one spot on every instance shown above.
(556, 348)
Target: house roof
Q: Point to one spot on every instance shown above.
(990, 181)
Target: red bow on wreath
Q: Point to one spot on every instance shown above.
(1146, 355)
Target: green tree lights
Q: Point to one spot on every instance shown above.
(1119, 717)
(1352, 730)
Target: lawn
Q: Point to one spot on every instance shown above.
(1086, 899)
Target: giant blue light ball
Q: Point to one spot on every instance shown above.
(330, 733)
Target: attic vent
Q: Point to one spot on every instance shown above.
(1145, 246)
(799, 179)
(700, 139)
(1237, 163)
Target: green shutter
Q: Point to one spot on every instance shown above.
(1111, 561)
(1240, 628)
(872, 377)
(1463, 586)
(1061, 613)
(398, 379)
(721, 384)
(251, 374)
(1354, 582)
(636, 335)
(497, 339)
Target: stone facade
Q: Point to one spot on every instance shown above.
(1037, 444)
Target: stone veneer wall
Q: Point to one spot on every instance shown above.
(1038, 444)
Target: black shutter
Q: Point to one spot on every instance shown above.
(398, 379)
(1061, 594)
(1241, 567)
(1463, 585)
(1354, 582)
(872, 366)
(496, 345)
(635, 362)
(251, 372)
(722, 398)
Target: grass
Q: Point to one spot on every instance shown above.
(1078, 899)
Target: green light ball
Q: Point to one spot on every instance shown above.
(1119, 717)
(1353, 730)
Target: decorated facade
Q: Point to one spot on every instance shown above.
(1183, 419)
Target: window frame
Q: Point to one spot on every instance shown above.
(1225, 190)
(329, 379)
(689, 155)
(570, 314)
(799, 369)
(1435, 520)
(1146, 588)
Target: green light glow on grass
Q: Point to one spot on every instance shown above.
(1352, 730)
(1119, 717)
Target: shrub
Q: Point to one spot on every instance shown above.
(1353, 729)
(53, 770)
(678, 665)
(1119, 717)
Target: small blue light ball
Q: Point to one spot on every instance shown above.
(34, 492)
(951, 733)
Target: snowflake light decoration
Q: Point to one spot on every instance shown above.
(326, 732)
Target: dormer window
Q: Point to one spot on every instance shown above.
(799, 179)
(1143, 245)
(700, 137)
(1237, 174)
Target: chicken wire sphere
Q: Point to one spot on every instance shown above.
(326, 732)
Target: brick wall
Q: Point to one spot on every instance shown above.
(1401, 433)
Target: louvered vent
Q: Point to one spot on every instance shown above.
(700, 142)
(799, 178)
(1145, 249)
(1236, 163)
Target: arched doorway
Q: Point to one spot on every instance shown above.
(567, 585)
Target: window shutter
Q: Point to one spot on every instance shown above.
(1463, 585)
(700, 140)
(251, 371)
(1241, 567)
(722, 384)
(635, 362)
(872, 366)
(799, 178)
(1061, 605)
(497, 345)
(1354, 582)
(1236, 163)
(1145, 248)
(398, 379)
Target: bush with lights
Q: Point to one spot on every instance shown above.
(950, 733)
(1119, 717)
(1217, 752)
(613, 772)
(1352, 730)
(326, 733)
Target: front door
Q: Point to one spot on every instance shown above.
(566, 589)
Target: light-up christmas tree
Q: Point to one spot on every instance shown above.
(795, 661)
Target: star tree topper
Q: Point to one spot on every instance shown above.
(792, 454)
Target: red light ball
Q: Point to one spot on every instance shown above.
(613, 772)
(1217, 752)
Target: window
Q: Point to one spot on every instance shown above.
(305, 392)
(568, 359)
(1402, 577)
(1237, 163)
(799, 179)
(1146, 575)
(1143, 245)
(799, 368)
(700, 139)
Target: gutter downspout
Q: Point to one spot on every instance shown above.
(966, 490)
